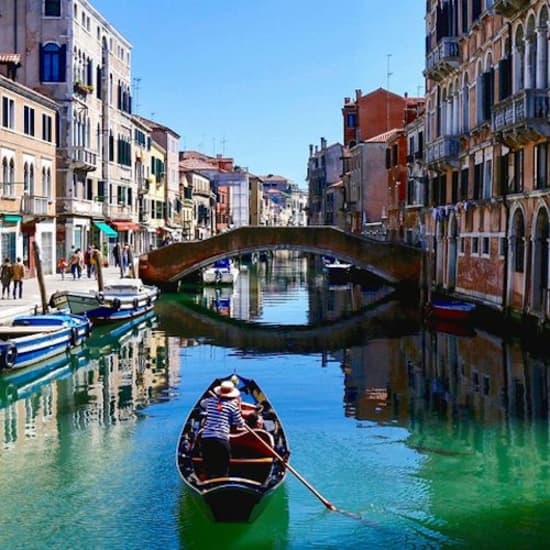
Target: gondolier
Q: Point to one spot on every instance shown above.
(222, 412)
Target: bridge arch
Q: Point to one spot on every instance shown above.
(396, 263)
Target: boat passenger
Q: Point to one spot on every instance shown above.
(222, 412)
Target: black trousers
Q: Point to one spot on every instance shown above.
(215, 453)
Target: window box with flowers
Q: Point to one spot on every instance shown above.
(82, 88)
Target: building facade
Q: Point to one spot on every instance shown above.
(27, 175)
(487, 131)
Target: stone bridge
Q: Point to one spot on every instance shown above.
(397, 264)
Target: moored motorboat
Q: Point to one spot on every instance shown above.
(30, 339)
(451, 310)
(222, 272)
(120, 300)
(338, 272)
(254, 473)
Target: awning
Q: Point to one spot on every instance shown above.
(11, 218)
(166, 230)
(107, 229)
(125, 226)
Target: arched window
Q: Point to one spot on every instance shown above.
(519, 60)
(52, 62)
(518, 239)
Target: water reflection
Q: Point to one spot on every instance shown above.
(118, 371)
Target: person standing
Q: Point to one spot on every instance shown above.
(116, 254)
(18, 274)
(223, 410)
(125, 259)
(88, 261)
(5, 277)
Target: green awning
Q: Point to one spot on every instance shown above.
(107, 229)
(11, 218)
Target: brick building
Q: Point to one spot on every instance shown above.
(487, 130)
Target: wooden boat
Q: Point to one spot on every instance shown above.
(451, 310)
(222, 272)
(254, 473)
(120, 300)
(30, 339)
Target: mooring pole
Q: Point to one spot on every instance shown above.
(40, 276)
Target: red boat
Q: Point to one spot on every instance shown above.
(451, 310)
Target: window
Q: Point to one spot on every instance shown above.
(8, 177)
(475, 245)
(478, 180)
(488, 179)
(517, 186)
(485, 246)
(351, 120)
(52, 8)
(461, 245)
(503, 176)
(541, 166)
(47, 128)
(8, 113)
(502, 247)
(464, 184)
(52, 63)
(28, 120)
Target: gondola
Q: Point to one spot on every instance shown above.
(255, 472)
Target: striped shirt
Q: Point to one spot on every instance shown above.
(221, 414)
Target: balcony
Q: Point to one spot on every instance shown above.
(442, 153)
(82, 207)
(142, 186)
(509, 8)
(522, 117)
(120, 212)
(443, 59)
(32, 205)
(83, 159)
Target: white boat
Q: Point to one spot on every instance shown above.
(337, 272)
(222, 272)
(119, 300)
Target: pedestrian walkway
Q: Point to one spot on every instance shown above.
(31, 301)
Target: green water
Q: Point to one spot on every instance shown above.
(432, 439)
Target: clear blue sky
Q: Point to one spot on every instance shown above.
(267, 76)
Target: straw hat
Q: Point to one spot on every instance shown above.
(227, 390)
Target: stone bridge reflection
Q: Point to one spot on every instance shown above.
(396, 263)
(384, 319)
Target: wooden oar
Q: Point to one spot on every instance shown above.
(290, 468)
(293, 470)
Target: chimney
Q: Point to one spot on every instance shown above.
(323, 143)
(310, 150)
(406, 95)
(358, 94)
(346, 100)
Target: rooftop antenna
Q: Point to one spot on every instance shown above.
(418, 89)
(223, 146)
(136, 85)
(388, 72)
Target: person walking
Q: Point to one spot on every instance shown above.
(5, 277)
(125, 259)
(88, 262)
(75, 262)
(18, 274)
(62, 266)
(223, 410)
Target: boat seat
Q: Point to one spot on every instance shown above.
(246, 444)
(261, 460)
(228, 479)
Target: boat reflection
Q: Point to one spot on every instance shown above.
(120, 370)
(269, 530)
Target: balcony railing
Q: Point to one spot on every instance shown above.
(520, 117)
(509, 8)
(443, 58)
(31, 205)
(120, 212)
(83, 158)
(442, 152)
(83, 207)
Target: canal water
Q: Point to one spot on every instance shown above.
(429, 436)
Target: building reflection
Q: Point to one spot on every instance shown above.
(118, 379)
(435, 374)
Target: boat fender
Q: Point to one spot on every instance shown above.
(135, 303)
(100, 297)
(74, 336)
(116, 304)
(9, 355)
(88, 329)
(51, 302)
(10, 393)
(149, 301)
